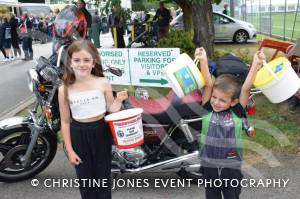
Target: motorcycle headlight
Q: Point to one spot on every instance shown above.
(49, 74)
(31, 77)
(47, 70)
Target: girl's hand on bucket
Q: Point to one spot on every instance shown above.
(122, 95)
(74, 158)
(200, 54)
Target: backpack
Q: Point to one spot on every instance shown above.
(230, 64)
(8, 33)
(23, 28)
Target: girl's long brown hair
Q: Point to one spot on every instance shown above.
(78, 45)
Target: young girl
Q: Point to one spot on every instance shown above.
(84, 98)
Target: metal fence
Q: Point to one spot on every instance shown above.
(276, 18)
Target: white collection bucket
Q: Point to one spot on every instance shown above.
(126, 127)
(277, 80)
(184, 75)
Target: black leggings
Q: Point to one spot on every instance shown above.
(228, 192)
(16, 47)
(92, 142)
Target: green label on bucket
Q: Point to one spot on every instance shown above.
(186, 80)
(278, 67)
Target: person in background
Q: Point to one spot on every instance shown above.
(111, 20)
(104, 23)
(146, 17)
(42, 30)
(6, 38)
(119, 21)
(81, 5)
(2, 43)
(96, 18)
(164, 18)
(50, 28)
(15, 41)
(56, 12)
(225, 11)
(26, 33)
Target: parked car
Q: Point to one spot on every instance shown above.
(226, 28)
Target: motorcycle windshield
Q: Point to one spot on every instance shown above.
(64, 24)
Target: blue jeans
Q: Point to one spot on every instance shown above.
(27, 47)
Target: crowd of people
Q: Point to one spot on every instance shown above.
(24, 29)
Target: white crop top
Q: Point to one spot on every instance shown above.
(87, 104)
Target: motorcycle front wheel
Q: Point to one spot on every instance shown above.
(13, 145)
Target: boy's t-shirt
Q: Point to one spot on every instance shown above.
(220, 148)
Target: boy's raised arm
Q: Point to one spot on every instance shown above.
(200, 55)
(258, 58)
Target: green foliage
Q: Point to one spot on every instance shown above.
(212, 1)
(217, 1)
(125, 13)
(112, 3)
(138, 5)
(243, 54)
(178, 39)
(280, 118)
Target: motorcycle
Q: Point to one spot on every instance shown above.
(143, 32)
(171, 129)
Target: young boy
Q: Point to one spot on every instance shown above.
(221, 137)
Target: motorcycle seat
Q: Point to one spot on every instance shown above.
(168, 109)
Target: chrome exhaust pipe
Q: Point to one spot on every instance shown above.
(192, 168)
(190, 162)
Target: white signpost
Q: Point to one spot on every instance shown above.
(140, 66)
(147, 65)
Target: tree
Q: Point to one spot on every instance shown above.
(198, 19)
(198, 16)
(203, 24)
(186, 7)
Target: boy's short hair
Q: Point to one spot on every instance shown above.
(228, 83)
